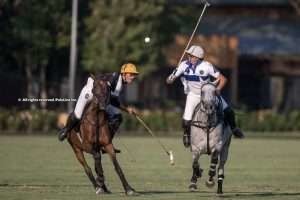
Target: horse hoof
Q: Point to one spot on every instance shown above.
(219, 194)
(106, 191)
(193, 187)
(102, 190)
(131, 193)
(210, 183)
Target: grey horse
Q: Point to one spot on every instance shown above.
(209, 136)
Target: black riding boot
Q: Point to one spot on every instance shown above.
(113, 125)
(186, 125)
(229, 117)
(71, 123)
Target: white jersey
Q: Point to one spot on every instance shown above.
(193, 76)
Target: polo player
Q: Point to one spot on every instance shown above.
(193, 73)
(116, 82)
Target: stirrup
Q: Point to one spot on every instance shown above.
(62, 134)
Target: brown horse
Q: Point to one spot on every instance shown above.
(92, 135)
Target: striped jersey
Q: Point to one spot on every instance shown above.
(193, 76)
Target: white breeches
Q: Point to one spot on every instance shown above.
(192, 101)
(85, 97)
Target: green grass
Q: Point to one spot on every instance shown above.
(41, 168)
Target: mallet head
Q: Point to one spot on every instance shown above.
(171, 158)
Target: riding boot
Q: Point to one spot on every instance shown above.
(113, 125)
(186, 125)
(71, 123)
(229, 117)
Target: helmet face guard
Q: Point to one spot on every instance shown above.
(196, 51)
(129, 68)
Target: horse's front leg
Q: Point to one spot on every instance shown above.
(80, 157)
(128, 189)
(100, 175)
(212, 170)
(223, 159)
(197, 172)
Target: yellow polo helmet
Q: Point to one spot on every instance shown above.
(129, 68)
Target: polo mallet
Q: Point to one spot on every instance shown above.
(206, 4)
(127, 149)
(169, 153)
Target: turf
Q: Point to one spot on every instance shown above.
(39, 167)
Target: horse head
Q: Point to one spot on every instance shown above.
(101, 93)
(209, 98)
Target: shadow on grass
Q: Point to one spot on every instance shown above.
(225, 195)
(154, 192)
(259, 194)
(43, 185)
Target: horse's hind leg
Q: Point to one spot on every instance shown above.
(128, 189)
(212, 170)
(87, 169)
(197, 172)
(100, 175)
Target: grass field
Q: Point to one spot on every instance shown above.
(40, 168)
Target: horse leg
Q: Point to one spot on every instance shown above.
(220, 177)
(197, 172)
(87, 169)
(212, 170)
(223, 159)
(100, 175)
(128, 189)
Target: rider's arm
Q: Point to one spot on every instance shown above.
(220, 79)
(176, 73)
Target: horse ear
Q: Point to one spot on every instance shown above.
(93, 76)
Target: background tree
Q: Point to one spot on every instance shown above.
(115, 33)
(34, 31)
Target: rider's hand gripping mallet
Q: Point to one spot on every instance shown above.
(171, 77)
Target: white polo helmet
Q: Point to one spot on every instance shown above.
(196, 51)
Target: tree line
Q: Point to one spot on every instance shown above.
(35, 38)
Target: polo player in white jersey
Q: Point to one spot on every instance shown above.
(194, 72)
(116, 82)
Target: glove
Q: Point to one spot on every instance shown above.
(131, 110)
